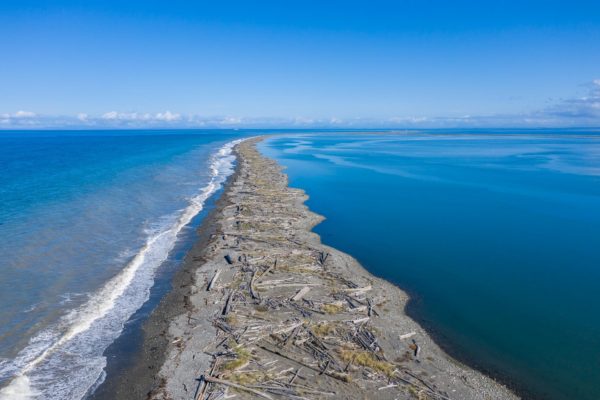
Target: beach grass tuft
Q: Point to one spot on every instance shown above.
(249, 377)
(323, 329)
(242, 358)
(332, 308)
(366, 359)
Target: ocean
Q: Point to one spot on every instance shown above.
(88, 220)
(494, 233)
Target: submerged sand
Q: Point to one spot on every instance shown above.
(263, 309)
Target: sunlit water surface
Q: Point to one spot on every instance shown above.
(496, 234)
(87, 219)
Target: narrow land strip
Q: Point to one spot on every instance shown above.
(273, 313)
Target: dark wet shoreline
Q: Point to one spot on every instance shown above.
(136, 356)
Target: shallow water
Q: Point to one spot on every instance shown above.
(496, 234)
(86, 221)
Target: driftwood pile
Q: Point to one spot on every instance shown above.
(289, 325)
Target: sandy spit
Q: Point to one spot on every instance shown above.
(286, 316)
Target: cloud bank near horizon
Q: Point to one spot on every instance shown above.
(581, 111)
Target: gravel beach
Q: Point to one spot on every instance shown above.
(262, 309)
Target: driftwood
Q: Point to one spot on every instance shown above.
(427, 388)
(291, 335)
(251, 287)
(203, 383)
(360, 320)
(301, 293)
(323, 257)
(228, 303)
(358, 289)
(269, 269)
(417, 348)
(235, 385)
(407, 335)
(221, 324)
(325, 367)
(299, 362)
(288, 324)
(213, 280)
(371, 310)
(295, 376)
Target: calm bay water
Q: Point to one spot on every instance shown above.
(87, 219)
(495, 234)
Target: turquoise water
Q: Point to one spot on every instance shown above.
(495, 234)
(87, 221)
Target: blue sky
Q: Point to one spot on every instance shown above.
(299, 63)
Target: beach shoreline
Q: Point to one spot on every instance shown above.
(138, 379)
(181, 337)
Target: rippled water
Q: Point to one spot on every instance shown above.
(86, 220)
(496, 234)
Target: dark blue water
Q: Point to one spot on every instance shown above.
(496, 235)
(86, 221)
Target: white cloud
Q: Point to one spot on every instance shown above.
(110, 115)
(303, 121)
(114, 115)
(24, 114)
(409, 120)
(231, 121)
(576, 111)
(582, 108)
(167, 116)
(19, 114)
(19, 118)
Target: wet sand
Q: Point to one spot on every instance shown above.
(285, 316)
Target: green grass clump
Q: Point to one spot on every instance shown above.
(323, 329)
(249, 378)
(261, 308)
(231, 319)
(417, 394)
(332, 308)
(366, 359)
(242, 358)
